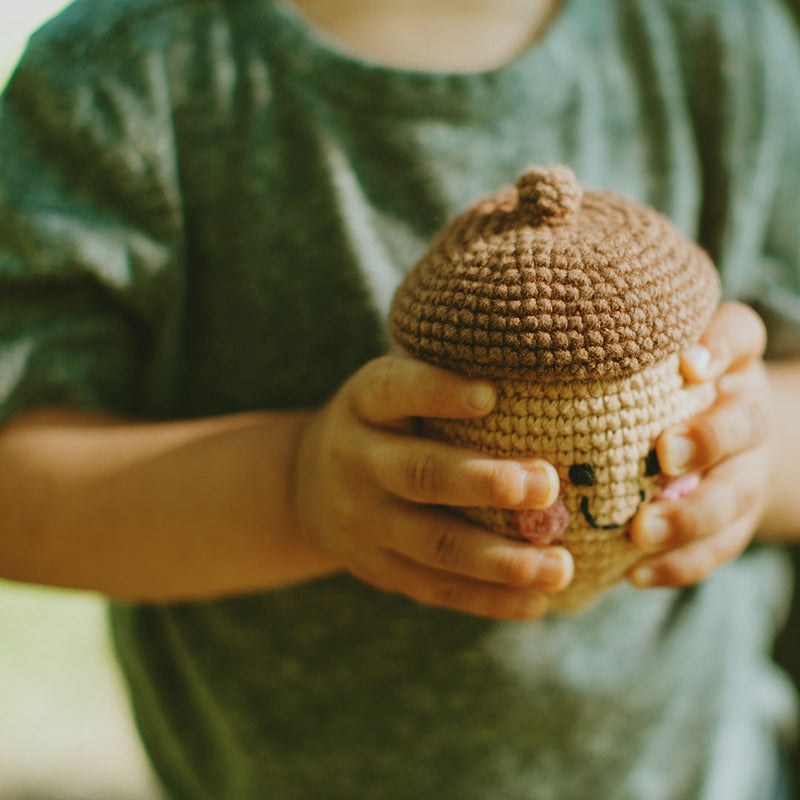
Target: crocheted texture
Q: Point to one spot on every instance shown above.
(578, 303)
(545, 281)
(549, 196)
(542, 526)
(609, 425)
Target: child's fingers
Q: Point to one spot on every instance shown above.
(447, 543)
(726, 493)
(750, 378)
(428, 471)
(396, 387)
(735, 335)
(691, 563)
(450, 590)
(733, 424)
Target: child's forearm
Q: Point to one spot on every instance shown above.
(782, 519)
(153, 511)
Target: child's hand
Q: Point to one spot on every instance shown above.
(698, 533)
(368, 489)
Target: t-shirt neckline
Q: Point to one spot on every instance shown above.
(317, 59)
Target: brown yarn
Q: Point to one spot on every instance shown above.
(549, 196)
(560, 284)
(577, 303)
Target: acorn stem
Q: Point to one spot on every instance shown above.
(549, 195)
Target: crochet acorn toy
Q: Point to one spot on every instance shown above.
(576, 304)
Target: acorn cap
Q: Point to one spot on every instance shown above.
(549, 281)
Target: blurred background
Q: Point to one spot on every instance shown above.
(65, 728)
(17, 21)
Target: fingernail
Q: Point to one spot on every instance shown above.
(643, 576)
(654, 530)
(540, 488)
(700, 359)
(555, 569)
(678, 453)
(481, 397)
(534, 606)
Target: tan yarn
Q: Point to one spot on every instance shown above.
(577, 304)
(610, 425)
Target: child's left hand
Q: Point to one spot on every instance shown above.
(728, 443)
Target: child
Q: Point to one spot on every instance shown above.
(206, 207)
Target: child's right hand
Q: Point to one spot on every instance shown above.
(369, 492)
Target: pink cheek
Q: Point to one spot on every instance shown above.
(675, 488)
(543, 526)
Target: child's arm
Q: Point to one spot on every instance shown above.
(748, 442)
(781, 521)
(202, 509)
(161, 511)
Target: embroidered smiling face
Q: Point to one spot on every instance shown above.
(600, 436)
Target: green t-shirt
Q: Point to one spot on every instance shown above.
(205, 207)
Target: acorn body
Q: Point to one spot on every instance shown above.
(576, 305)
(600, 437)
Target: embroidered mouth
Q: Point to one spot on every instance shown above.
(593, 523)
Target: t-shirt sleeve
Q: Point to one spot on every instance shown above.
(741, 65)
(89, 230)
(777, 295)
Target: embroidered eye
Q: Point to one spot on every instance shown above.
(582, 474)
(651, 465)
